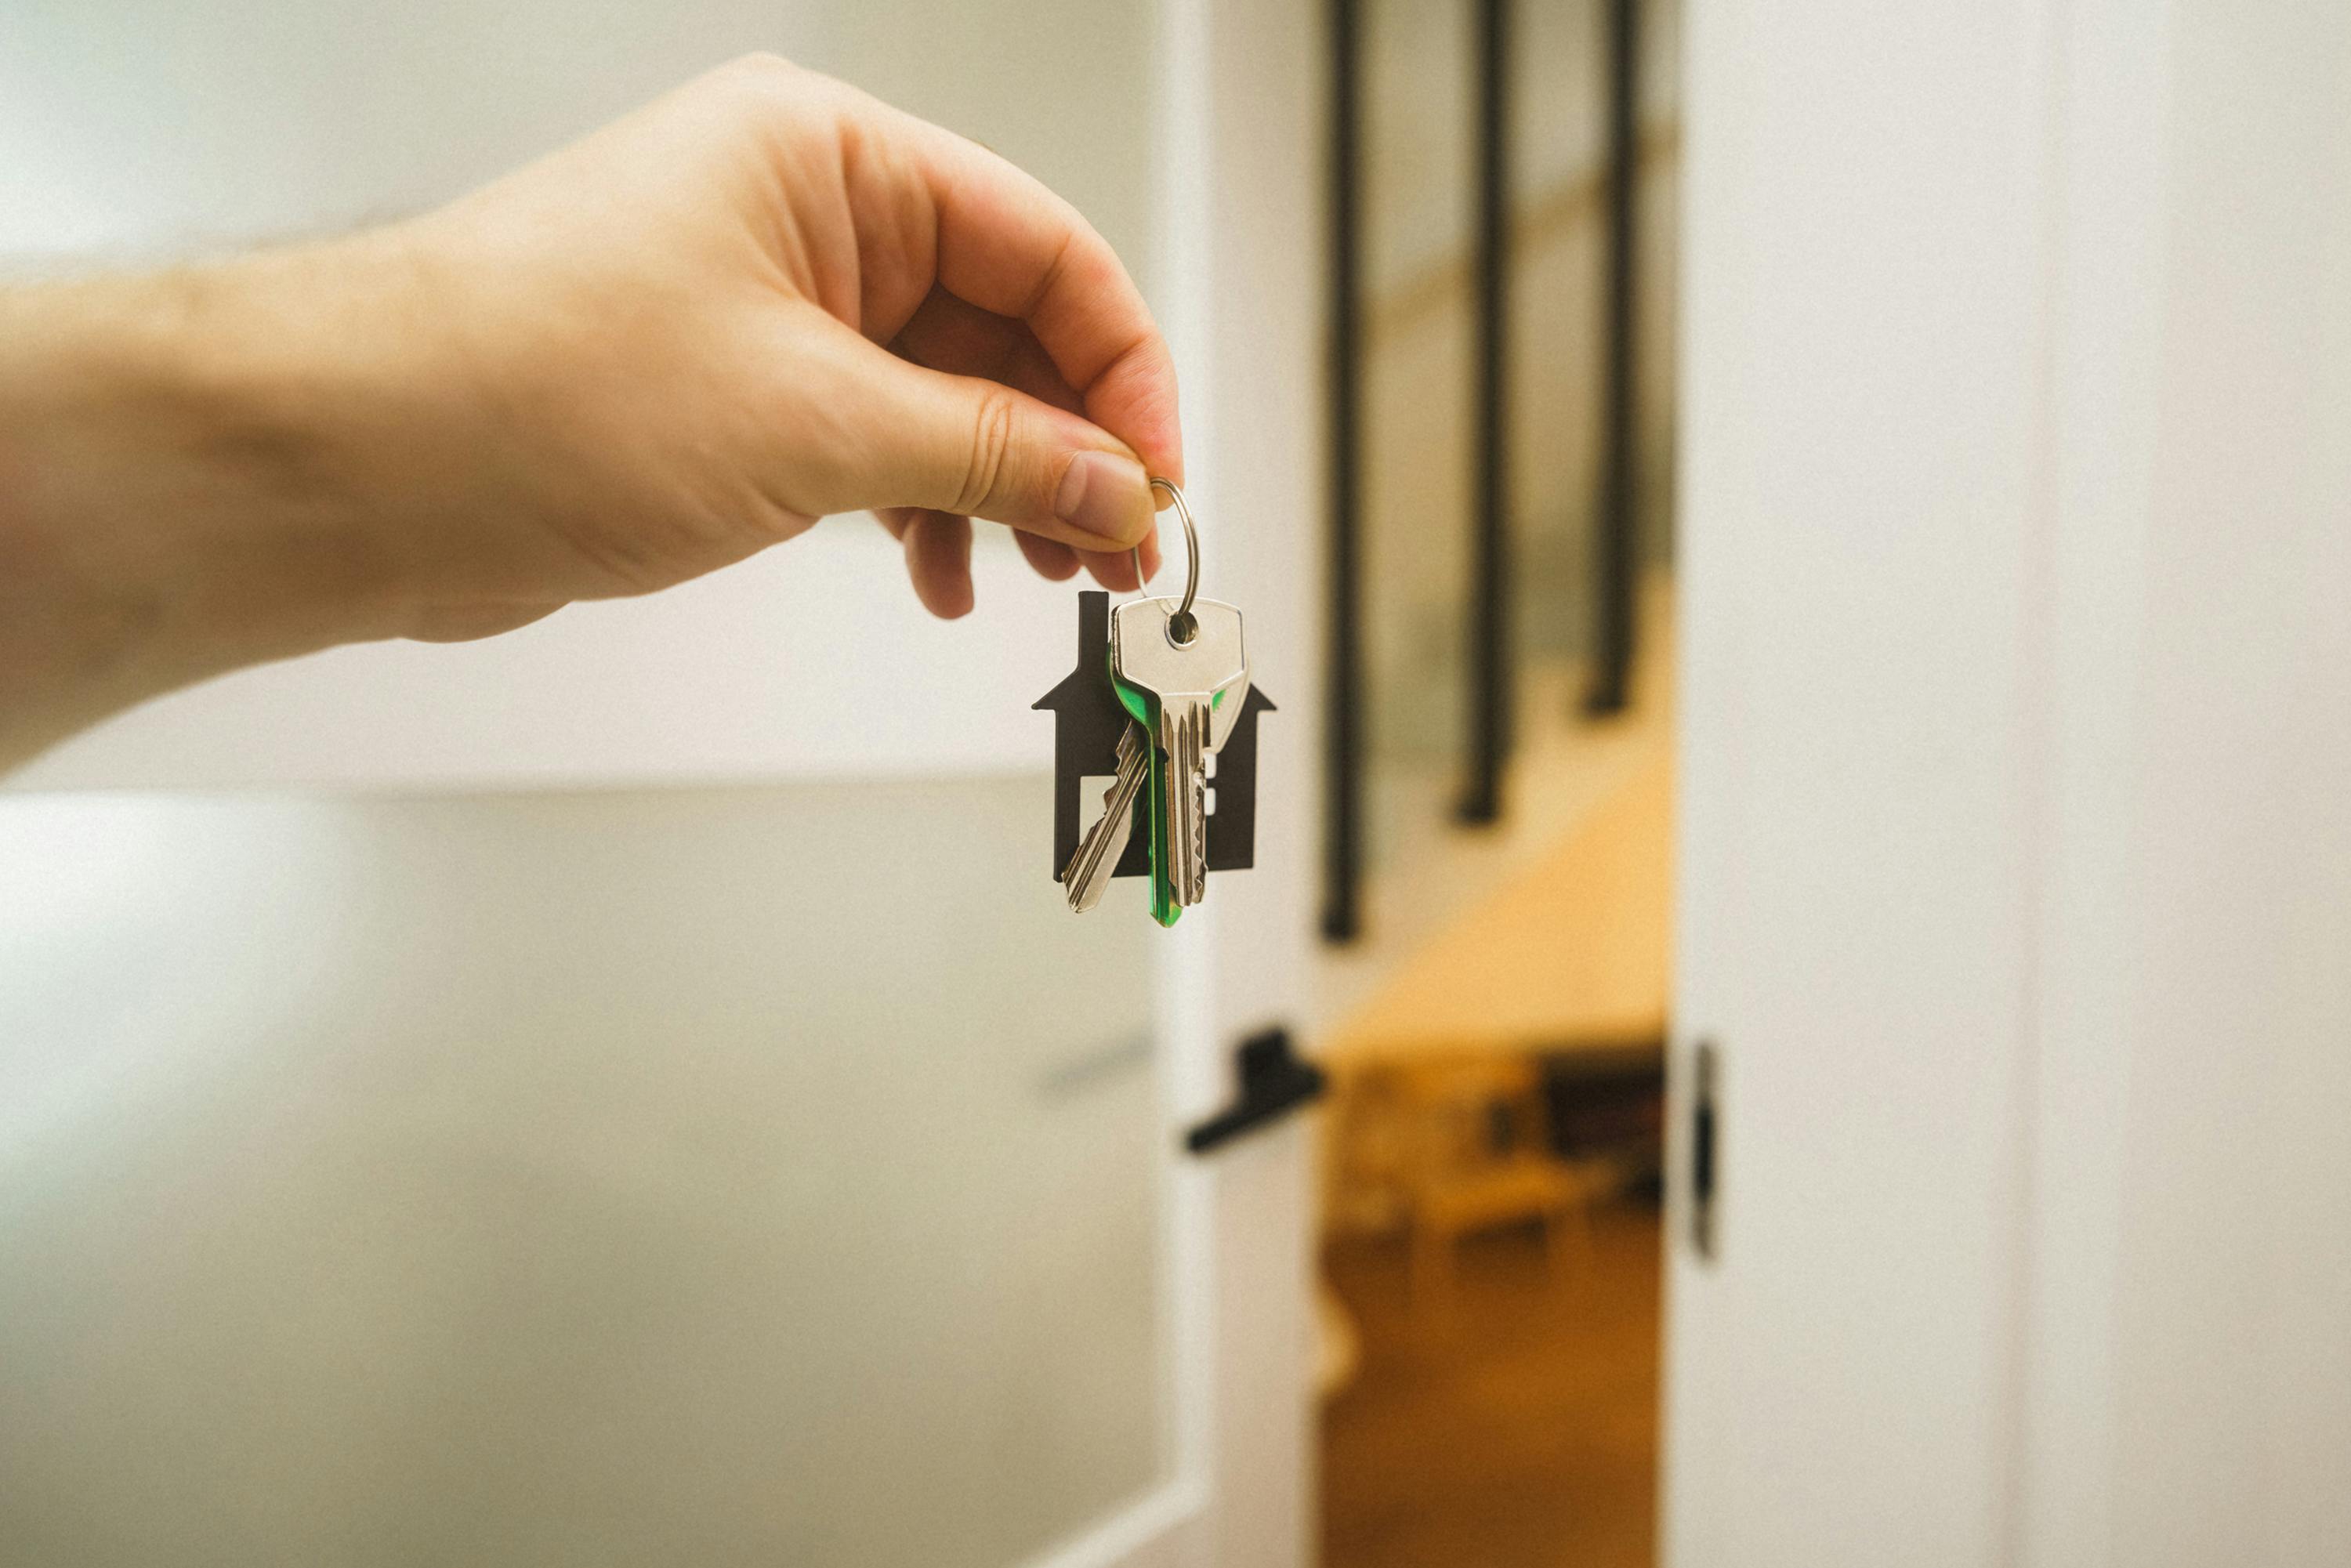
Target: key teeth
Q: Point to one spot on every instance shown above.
(1199, 856)
(1197, 790)
(1189, 734)
(1089, 871)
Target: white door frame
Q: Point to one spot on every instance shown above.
(1238, 171)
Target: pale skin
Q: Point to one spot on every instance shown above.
(761, 299)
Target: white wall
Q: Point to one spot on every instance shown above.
(605, 1178)
(2016, 866)
(2188, 1395)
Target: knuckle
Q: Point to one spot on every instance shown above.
(993, 425)
(761, 69)
(763, 85)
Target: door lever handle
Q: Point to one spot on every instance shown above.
(1273, 1081)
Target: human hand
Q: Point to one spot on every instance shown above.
(765, 297)
(760, 299)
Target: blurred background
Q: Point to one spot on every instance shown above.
(1496, 970)
(1790, 1005)
(553, 1100)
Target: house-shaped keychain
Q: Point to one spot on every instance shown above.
(1087, 722)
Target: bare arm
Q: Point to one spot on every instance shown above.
(761, 299)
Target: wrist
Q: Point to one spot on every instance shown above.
(172, 496)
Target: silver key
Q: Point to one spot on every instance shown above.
(1200, 685)
(1104, 845)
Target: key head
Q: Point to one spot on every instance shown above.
(1211, 668)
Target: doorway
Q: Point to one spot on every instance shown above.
(1496, 988)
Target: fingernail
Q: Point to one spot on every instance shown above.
(1107, 495)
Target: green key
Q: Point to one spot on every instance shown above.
(1144, 710)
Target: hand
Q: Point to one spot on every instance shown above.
(760, 299)
(766, 298)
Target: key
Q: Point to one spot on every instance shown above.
(1187, 694)
(1099, 852)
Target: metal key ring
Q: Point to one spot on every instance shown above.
(1179, 623)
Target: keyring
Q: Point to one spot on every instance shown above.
(1180, 623)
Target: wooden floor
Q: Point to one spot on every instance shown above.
(1524, 1432)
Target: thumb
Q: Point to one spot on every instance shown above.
(977, 447)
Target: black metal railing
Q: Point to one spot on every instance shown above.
(1616, 537)
(1488, 665)
(1343, 696)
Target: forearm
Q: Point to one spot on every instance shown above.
(172, 503)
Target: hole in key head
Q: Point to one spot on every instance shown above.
(1182, 627)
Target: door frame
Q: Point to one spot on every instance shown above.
(1238, 133)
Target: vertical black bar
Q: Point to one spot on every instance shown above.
(1343, 699)
(1704, 1158)
(1489, 661)
(1617, 535)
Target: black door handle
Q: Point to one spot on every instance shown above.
(1705, 1173)
(1273, 1082)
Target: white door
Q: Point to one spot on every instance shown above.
(2016, 867)
(630, 1091)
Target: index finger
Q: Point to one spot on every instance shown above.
(1008, 245)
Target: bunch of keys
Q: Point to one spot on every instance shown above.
(1182, 675)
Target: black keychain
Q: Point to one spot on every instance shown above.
(1096, 734)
